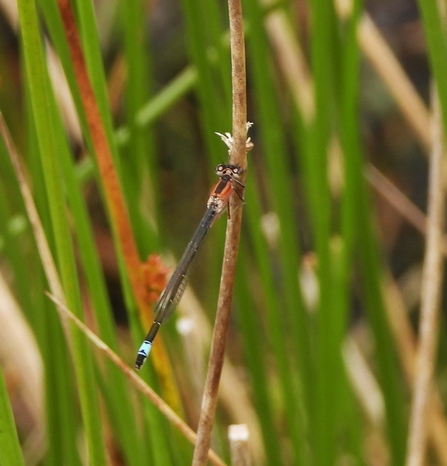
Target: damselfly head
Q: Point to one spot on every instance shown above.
(228, 170)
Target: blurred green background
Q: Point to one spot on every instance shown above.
(329, 274)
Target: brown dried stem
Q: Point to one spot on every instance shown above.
(401, 203)
(135, 380)
(238, 437)
(430, 300)
(237, 157)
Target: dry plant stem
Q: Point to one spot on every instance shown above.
(397, 199)
(430, 300)
(400, 202)
(389, 69)
(232, 392)
(135, 380)
(292, 61)
(238, 437)
(405, 338)
(363, 380)
(239, 86)
(387, 66)
(210, 394)
(237, 157)
(109, 177)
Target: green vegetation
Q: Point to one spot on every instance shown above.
(315, 303)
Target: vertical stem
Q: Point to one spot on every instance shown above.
(238, 436)
(238, 77)
(430, 298)
(237, 157)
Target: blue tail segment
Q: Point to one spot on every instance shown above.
(143, 353)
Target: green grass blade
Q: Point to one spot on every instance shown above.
(216, 105)
(255, 354)
(138, 156)
(324, 51)
(40, 97)
(435, 33)
(10, 453)
(60, 398)
(288, 309)
(385, 350)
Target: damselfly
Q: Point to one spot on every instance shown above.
(171, 295)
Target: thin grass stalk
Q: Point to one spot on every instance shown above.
(160, 103)
(379, 54)
(371, 273)
(430, 298)
(33, 216)
(383, 60)
(238, 435)
(405, 338)
(26, 194)
(237, 157)
(136, 381)
(400, 202)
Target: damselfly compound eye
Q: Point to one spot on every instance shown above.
(220, 168)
